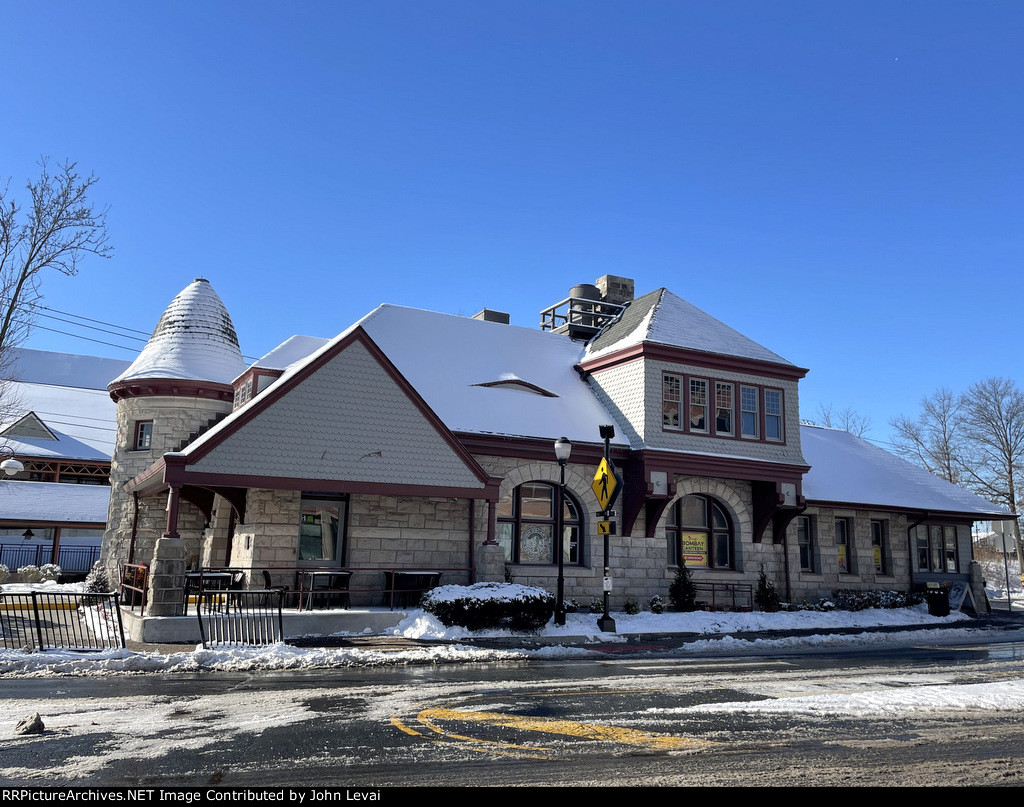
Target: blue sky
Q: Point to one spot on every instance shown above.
(840, 181)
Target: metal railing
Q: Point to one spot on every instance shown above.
(71, 559)
(79, 621)
(240, 618)
(402, 587)
(579, 312)
(726, 596)
(134, 585)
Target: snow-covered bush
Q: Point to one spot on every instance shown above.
(631, 606)
(49, 571)
(656, 605)
(848, 600)
(96, 581)
(30, 574)
(5, 573)
(491, 605)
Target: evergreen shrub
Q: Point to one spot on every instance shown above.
(491, 605)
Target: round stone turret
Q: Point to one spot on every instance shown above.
(193, 341)
(179, 385)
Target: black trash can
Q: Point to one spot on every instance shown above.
(937, 595)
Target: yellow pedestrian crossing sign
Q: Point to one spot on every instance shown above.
(606, 484)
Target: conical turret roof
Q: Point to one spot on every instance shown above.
(193, 341)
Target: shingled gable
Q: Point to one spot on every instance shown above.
(345, 420)
(662, 321)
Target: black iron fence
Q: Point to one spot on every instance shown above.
(240, 618)
(71, 559)
(725, 596)
(60, 621)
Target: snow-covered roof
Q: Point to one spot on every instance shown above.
(448, 359)
(845, 468)
(194, 340)
(452, 363)
(55, 444)
(84, 415)
(663, 318)
(293, 349)
(53, 501)
(63, 369)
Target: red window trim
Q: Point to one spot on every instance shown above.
(712, 415)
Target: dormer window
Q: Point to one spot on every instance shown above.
(698, 405)
(749, 412)
(723, 408)
(710, 406)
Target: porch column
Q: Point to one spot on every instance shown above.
(167, 571)
(490, 560)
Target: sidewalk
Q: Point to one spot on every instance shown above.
(615, 643)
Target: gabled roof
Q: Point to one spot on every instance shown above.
(194, 341)
(345, 416)
(479, 377)
(662, 318)
(28, 426)
(458, 365)
(848, 469)
(59, 447)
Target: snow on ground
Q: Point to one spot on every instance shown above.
(575, 639)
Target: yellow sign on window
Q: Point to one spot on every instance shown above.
(695, 548)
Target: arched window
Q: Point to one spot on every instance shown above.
(526, 525)
(699, 530)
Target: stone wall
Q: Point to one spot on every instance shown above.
(173, 420)
(826, 577)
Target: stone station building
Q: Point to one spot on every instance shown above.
(415, 440)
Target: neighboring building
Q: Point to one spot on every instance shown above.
(418, 440)
(59, 425)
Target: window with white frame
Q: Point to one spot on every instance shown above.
(670, 401)
(805, 542)
(749, 412)
(698, 405)
(143, 435)
(723, 408)
(773, 414)
(935, 548)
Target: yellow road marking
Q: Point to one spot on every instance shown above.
(398, 724)
(426, 722)
(570, 728)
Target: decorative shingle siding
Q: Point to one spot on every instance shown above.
(348, 420)
(621, 390)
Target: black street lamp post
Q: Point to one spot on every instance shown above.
(563, 447)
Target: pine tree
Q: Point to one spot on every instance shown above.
(682, 592)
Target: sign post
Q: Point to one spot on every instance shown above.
(607, 485)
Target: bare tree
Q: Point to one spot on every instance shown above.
(934, 439)
(993, 427)
(60, 227)
(847, 420)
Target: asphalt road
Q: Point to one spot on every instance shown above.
(620, 721)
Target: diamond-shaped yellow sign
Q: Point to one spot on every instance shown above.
(605, 484)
